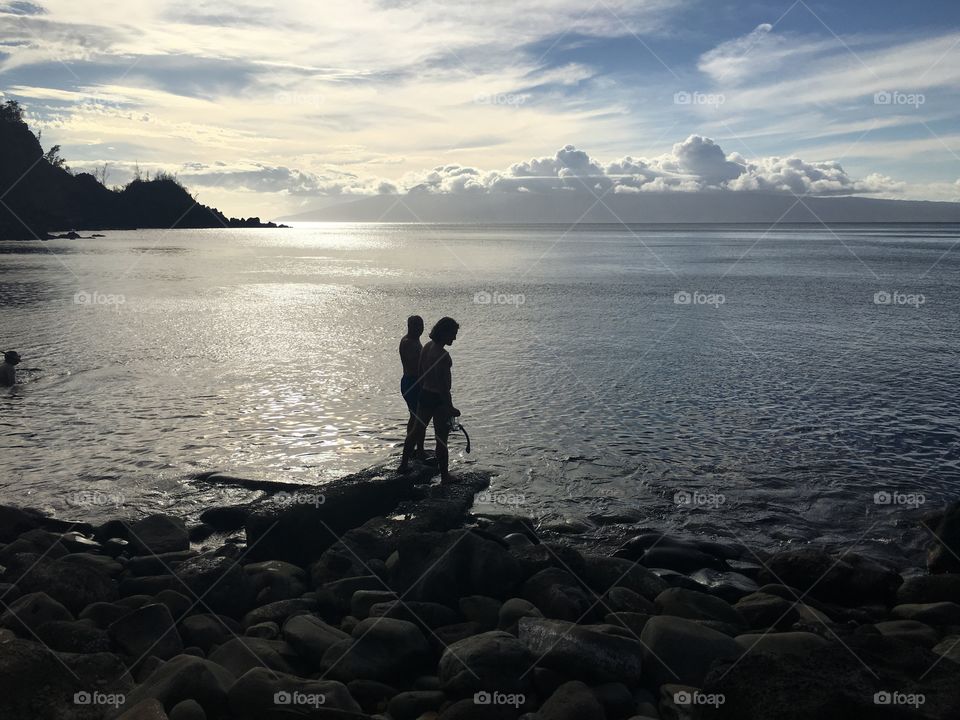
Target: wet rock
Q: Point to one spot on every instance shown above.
(41, 543)
(147, 630)
(939, 613)
(621, 599)
(445, 635)
(136, 601)
(483, 610)
(207, 630)
(74, 636)
(850, 580)
(186, 677)
(514, 609)
(411, 705)
(373, 696)
(225, 519)
(944, 550)
(541, 556)
(188, 710)
(279, 612)
(949, 648)
(572, 701)
(910, 631)
(264, 631)
(363, 600)
(680, 559)
(149, 585)
(598, 652)
(929, 589)
(177, 603)
(238, 655)
(28, 612)
(157, 534)
(425, 614)
(149, 709)
(557, 594)
(792, 643)
(276, 580)
(729, 586)
(259, 691)
(9, 592)
(697, 606)
(311, 637)
(603, 573)
(380, 649)
(762, 611)
(219, 583)
(467, 709)
(491, 661)
(633, 622)
(681, 650)
(160, 564)
(73, 585)
(616, 698)
(15, 521)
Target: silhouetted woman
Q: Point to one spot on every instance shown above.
(436, 401)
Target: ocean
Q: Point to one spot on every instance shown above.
(769, 386)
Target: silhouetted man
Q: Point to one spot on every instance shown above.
(410, 348)
(8, 370)
(436, 401)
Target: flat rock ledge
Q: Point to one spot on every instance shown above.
(385, 598)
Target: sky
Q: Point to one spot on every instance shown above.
(275, 108)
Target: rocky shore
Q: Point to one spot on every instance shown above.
(385, 598)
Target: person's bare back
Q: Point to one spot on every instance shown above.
(410, 348)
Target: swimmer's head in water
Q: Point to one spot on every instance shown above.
(11, 357)
(415, 326)
(445, 331)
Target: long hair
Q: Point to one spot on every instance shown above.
(445, 329)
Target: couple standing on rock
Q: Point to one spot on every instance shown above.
(426, 386)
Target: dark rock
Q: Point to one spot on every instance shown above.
(188, 710)
(207, 630)
(15, 521)
(74, 636)
(177, 603)
(572, 701)
(363, 600)
(148, 709)
(380, 649)
(157, 534)
(160, 564)
(697, 606)
(103, 614)
(239, 655)
(617, 700)
(621, 599)
(219, 584)
(186, 677)
(949, 648)
(491, 661)
(135, 601)
(929, 589)
(467, 709)
(276, 580)
(535, 558)
(446, 635)
(512, 610)
(680, 559)
(28, 612)
(225, 519)
(149, 585)
(794, 643)
(310, 637)
(373, 696)
(910, 631)
(939, 613)
(149, 630)
(71, 584)
(762, 611)
(279, 612)
(943, 552)
(602, 573)
(849, 580)
(425, 614)
(557, 594)
(634, 622)
(411, 705)
(43, 543)
(729, 586)
(682, 651)
(264, 631)
(483, 610)
(598, 652)
(259, 691)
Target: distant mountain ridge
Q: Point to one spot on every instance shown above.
(39, 196)
(722, 206)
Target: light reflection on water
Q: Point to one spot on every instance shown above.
(272, 354)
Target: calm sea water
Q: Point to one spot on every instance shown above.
(753, 384)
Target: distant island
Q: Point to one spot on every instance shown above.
(573, 206)
(39, 196)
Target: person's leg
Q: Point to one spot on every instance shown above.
(420, 419)
(441, 429)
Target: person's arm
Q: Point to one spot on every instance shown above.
(446, 372)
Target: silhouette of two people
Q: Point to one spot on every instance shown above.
(432, 388)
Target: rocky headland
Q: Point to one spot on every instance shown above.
(384, 597)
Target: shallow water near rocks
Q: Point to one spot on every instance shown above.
(739, 382)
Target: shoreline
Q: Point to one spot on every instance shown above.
(384, 597)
